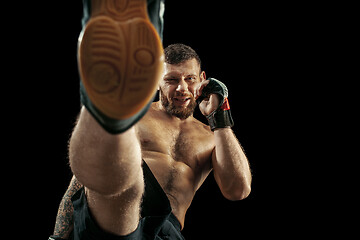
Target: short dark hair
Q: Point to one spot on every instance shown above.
(179, 53)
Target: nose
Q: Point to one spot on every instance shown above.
(182, 86)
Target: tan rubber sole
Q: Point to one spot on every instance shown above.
(120, 57)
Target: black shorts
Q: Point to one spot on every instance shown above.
(157, 221)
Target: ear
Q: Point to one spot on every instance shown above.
(202, 76)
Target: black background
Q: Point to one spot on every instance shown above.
(271, 57)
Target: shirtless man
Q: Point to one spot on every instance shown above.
(139, 181)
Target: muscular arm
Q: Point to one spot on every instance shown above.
(230, 165)
(64, 219)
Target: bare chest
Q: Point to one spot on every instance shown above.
(179, 155)
(189, 143)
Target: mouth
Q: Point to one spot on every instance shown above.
(181, 101)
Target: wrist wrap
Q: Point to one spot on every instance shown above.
(221, 117)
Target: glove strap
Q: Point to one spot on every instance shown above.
(221, 118)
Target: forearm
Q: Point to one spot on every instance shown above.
(64, 220)
(231, 167)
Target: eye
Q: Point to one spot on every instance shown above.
(171, 80)
(190, 79)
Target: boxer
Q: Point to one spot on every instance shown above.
(137, 170)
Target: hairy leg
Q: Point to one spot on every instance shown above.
(120, 63)
(109, 166)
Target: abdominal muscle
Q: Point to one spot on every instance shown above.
(177, 180)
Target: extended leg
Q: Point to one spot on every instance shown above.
(109, 166)
(120, 62)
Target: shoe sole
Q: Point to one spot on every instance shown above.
(120, 57)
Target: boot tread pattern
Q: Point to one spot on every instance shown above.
(120, 57)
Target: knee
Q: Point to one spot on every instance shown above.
(134, 193)
(108, 183)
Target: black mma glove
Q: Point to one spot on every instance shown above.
(221, 117)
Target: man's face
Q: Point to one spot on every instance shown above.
(177, 88)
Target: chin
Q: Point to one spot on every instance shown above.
(181, 112)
